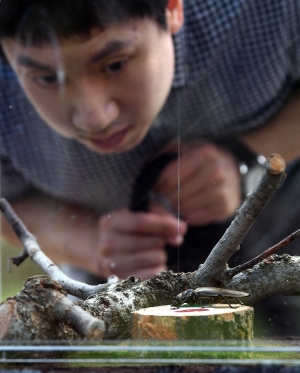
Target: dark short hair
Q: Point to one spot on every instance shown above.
(34, 21)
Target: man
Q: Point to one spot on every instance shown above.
(109, 88)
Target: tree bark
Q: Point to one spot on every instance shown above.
(42, 311)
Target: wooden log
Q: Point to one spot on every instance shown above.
(219, 322)
(41, 311)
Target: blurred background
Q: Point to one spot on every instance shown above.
(12, 282)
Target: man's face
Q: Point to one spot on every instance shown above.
(104, 91)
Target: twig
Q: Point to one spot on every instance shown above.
(33, 250)
(75, 317)
(20, 258)
(18, 227)
(212, 271)
(272, 250)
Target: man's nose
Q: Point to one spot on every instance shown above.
(95, 108)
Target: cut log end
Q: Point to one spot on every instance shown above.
(276, 163)
(219, 322)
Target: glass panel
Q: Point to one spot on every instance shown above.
(111, 106)
(158, 353)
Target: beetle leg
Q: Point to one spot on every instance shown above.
(239, 301)
(227, 301)
(184, 301)
(199, 299)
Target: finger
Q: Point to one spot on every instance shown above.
(199, 168)
(190, 205)
(147, 258)
(148, 273)
(171, 240)
(110, 243)
(216, 183)
(192, 194)
(179, 170)
(202, 199)
(202, 218)
(141, 261)
(214, 204)
(157, 208)
(209, 177)
(142, 223)
(196, 184)
(175, 241)
(207, 215)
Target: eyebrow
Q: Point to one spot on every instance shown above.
(29, 62)
(110, 48)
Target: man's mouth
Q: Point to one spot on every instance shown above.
(108, 142)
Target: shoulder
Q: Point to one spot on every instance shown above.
(242, 35)
(6, 72)
(242, 58)
(223, 10)
(210, 23)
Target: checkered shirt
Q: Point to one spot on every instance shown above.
(236, 63)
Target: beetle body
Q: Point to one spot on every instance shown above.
(209, 295)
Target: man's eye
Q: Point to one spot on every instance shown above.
(47, 80)
(116, 66)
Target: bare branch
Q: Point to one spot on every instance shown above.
(80, 321)
(33, 250)
(211, 271)
(19, 259)
(272, 250)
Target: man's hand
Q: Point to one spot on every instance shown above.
(132, 243)
(203, 185)
(121, 243)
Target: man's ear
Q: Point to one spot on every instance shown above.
(174, 14)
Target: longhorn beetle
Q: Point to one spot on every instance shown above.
(191, 296)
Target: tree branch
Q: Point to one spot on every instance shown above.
(272, 250)
(210, 273)
(33, 250)
(276, 274)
